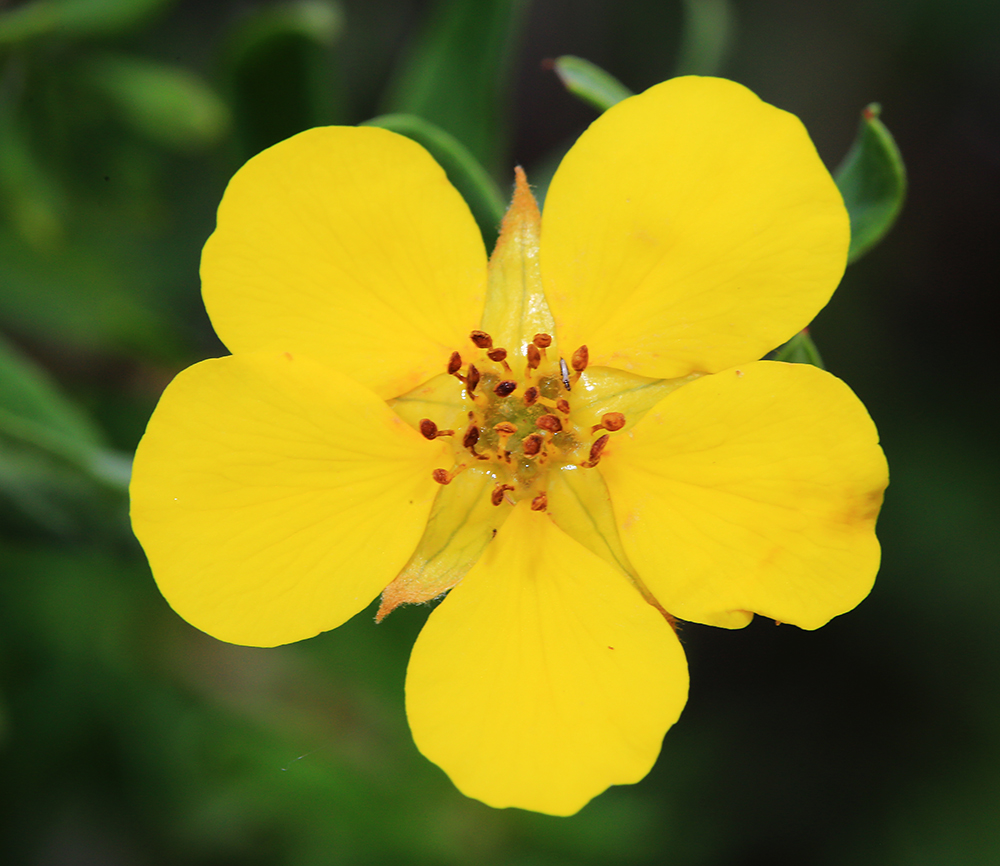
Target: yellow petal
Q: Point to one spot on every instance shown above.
(275, 497)
(755, 489)
(516, 308)
(348, 245)
(690, 228)
(543, 677)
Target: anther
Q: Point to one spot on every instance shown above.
(580, 359)
(454, 363)
(595, 451)
(481, 339)
(500, 356)
(543, 341)
(505, 388)
(534, 356)
(496, 497)
(532, 444)
(471, 378)
(530, 396)
(441, 476)
(611, 421)
(429, 430)
(540, 502)
(471, 437)
(550, 423)
(563, 406)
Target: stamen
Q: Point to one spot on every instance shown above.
(563, 406)
(429, 430)
(580, 359)
(504, 431)
(550, 423)
(534, 357)
(611, 421)
(505, 388)
(472, 378)
(454, 363)
(532, 444)
(540, 502)
(496, 497)
(530, 396)
(595, 451)
(500, 356)
(481, 339)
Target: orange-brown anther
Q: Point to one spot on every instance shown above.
(550, 423)
(611, 421)
(530, 396)
(428, 429)
(563, 406)
(454, 363)
(441, 476)
(472, 378)
(580, 359)
(534, 356)
(532, 444)
(497, 354)
(540, 502)
(505, 428)
(481, 339)
(471, 437)
(496, 497)
(505, 388)
(595, 451)
(543, 341)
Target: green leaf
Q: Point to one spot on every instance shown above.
(165, 103)
(589, 82)
(709, 27)
(463, 170)
(74, 17)
(456, 73)
(799, 350)
(280, 71)
(872, 180)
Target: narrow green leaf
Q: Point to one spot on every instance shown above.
(456, 72)
(799, 350)
(589, 82)
(74, 17)
(709, 28)
(872, 180)
(35, 415)
(280, 71)
(466, 174)
(165, 103)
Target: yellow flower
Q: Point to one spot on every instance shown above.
(574, 440)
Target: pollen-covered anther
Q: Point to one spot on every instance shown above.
(595, 451)
(454, 363)
(534, 356)
(532, 444)
(543, 341)
(442, 476)
(505, 388)
(551, 423)
(540, 502)
(471, 379)
(496, 497)
(429, 430)
(481, 339)
(530, 396)
(580, 359)
(563, 406)
(611, 421)
(499, 356)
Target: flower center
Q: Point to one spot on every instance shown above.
(520, 423)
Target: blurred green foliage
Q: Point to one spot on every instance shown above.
(127, 737)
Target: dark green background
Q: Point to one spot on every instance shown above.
(126, 737)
